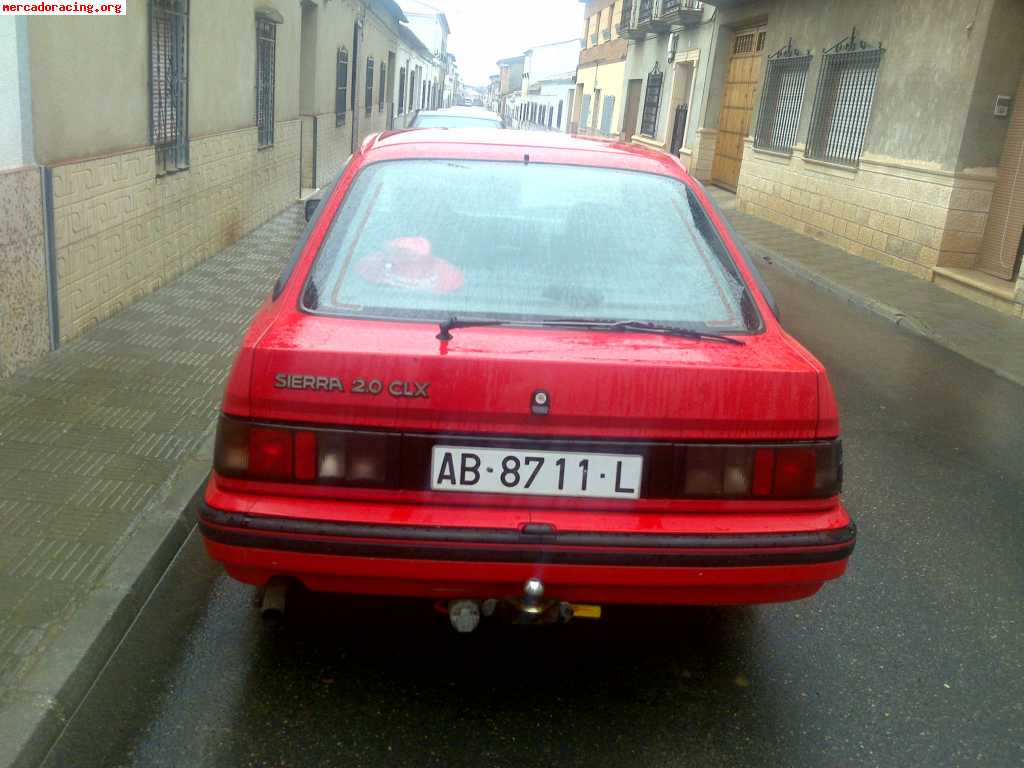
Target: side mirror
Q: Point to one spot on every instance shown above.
(311, 205)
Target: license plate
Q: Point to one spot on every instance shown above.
(535, 473)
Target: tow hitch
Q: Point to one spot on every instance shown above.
(530, 608)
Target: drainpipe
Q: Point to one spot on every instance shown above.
(50, 244)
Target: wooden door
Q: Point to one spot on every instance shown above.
(633, 91)
(1003, 245)
(737, 105)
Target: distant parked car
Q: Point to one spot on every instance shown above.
(457, 117)
(479, 382)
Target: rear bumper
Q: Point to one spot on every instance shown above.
(469, 562)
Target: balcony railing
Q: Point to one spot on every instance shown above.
(646, 17)
(681, 12)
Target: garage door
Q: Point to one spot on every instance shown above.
(1001, 249)
(737, 105)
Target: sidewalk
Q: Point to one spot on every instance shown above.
(990, 339)
(102, 444)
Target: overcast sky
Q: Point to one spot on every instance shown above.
(484, 31)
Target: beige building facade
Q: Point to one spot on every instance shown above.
(855, 124)
(161, 137)
(890, 130)
(600, 78)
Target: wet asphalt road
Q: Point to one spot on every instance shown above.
(915, 658)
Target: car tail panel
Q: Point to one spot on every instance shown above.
(334, 371)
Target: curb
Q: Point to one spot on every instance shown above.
(37, 710)
(888, 312)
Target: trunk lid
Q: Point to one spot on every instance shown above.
(398, 376)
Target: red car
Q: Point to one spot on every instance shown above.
(528, 372)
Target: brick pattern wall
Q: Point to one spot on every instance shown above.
(24, 317)
(307, 150)
(912, 220)
(703, 155)
(121, 232)
(334, 145)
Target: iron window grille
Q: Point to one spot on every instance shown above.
(168, 84)
(401, 91)
(341, 87)
(842, 105)
(381, 90)
(652, 102)
(266, 53)
(369, 86)
(782, 98)
(744, 43)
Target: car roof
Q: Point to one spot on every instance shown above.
(545, 146)
(477, 112)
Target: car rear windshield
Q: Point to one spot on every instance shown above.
(429, 239)
(451, 121)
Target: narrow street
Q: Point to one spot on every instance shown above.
(913, 659)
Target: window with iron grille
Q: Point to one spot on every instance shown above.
(168, 84)
(652, 103)
(341, 87)
(369, 86)
(782, 98)
(842, 105)
(744, 43)
(266, 53)
(382, 89)
(401, 91)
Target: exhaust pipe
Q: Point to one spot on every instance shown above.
(464, 615)
(275, 599)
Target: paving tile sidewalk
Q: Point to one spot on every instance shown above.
(985, 336)
(93, 440)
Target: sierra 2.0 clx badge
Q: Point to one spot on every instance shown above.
(397, 388)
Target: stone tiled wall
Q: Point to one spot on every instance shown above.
(703, 154)
(334, 145)
(24, 317)
(121, 232)
(307, 151)
(902, 217)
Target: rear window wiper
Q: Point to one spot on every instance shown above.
(643, 326)
(447, 326)
(638, 326)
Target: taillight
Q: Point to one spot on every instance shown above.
(796, 471)
(348, 457)
(283, 454)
